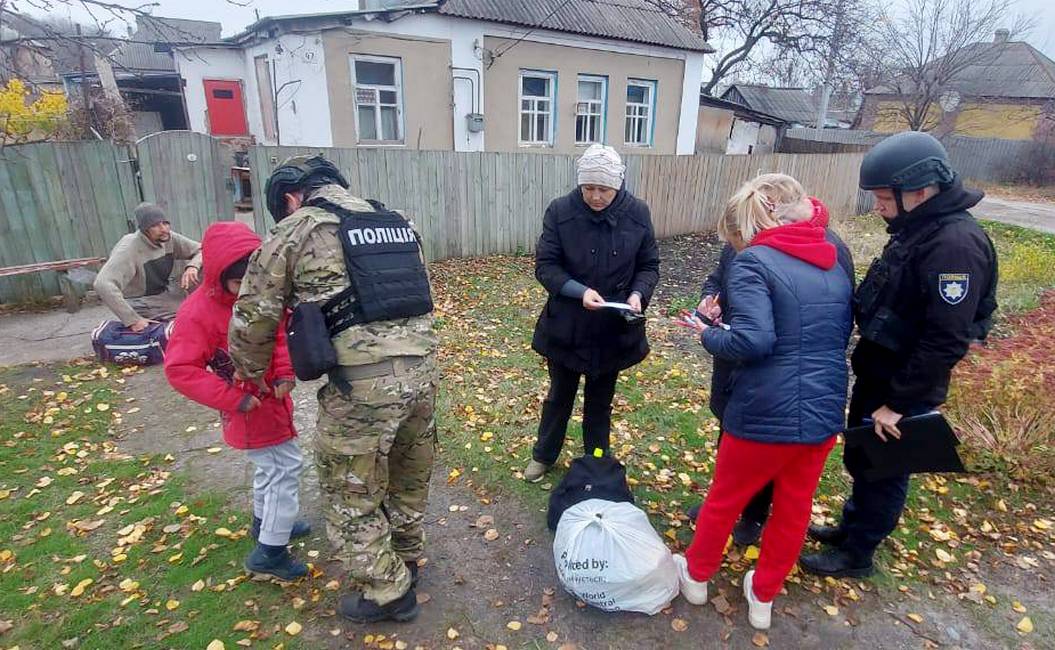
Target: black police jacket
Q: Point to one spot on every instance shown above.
(714, 285)
(613, 252)
(924, 300)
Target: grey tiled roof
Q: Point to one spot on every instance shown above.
(791, 104)
(625, 20)
(1012, 69)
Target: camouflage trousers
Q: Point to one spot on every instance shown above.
(374, 452)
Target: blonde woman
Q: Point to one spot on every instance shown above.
(785, 330)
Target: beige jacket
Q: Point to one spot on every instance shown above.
(125, 273)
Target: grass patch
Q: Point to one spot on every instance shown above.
(103, 550)
(662, 429)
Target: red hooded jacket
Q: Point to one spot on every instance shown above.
(197, 363)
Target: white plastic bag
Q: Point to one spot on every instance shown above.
(609, 556)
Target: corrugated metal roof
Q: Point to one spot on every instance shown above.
(142, 57)
(1012, 69)
(790, 104)
(626, 20)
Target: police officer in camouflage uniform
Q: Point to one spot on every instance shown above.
(925, 299)
(376, 436)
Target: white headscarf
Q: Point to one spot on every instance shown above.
(601, 165)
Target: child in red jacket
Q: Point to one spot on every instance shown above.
(259, 421)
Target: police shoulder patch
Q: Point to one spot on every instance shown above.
(952, 287)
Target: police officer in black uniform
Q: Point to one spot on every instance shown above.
(929, 295)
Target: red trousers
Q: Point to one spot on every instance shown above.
(742, 469)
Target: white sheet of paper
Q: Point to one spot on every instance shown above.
(618, 305)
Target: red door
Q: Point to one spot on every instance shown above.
(223, 100)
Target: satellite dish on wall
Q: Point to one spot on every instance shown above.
(949, 100)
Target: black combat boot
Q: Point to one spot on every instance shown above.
(836, 563)
(358, 609)
(828, 535)
(747, 531)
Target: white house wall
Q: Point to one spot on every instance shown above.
(209, 63)
(299, 76)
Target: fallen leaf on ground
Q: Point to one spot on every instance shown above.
(81, 586)
(215, 644)
(1025, 626)
(491, 534)
(831, 610)
(679, 625)
(452, 633)
(294, 628)
(916, 617)
(760, 639)
(171, 604)
(514, 625)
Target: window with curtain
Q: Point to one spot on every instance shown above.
(378, 84)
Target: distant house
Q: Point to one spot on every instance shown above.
(463, 75)
(796, 106)
(728, 127)
(1007, 92)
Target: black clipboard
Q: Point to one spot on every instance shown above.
(927, 444)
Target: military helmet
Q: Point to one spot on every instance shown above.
(296, 173)
(905, 162)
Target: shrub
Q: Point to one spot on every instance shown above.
(1001, 397)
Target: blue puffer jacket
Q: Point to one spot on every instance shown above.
(789, 327)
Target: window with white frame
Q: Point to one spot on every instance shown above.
(538, 92)
(378, 87)
(640, 107)
(590, 109)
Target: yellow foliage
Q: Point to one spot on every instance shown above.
(21, 115)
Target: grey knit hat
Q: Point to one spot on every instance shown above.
(149, 214)
(601, 165)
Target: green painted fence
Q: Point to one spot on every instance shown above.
(63, 201)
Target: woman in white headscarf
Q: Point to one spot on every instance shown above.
(597, 246)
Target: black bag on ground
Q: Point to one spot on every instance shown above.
(590, 477)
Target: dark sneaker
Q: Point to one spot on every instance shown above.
(828, 535)
(693, 512)
(747, 532)
(301, 528)
(281, 565)
(358, 609)
(837, 564)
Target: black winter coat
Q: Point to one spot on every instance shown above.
(942, 299)
(715, 284)
(613, 252)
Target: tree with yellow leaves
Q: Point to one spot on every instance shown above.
(23, 117)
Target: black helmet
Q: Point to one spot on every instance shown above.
(905, 162)
(296, 173)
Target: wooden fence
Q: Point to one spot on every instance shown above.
(991, 160)
(63, 201)
(71, 200)
(473, 204)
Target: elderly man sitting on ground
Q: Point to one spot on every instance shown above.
(135, 281)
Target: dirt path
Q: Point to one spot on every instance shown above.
(477, 587)
(1038, 216)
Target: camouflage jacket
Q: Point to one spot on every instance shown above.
(302, 261)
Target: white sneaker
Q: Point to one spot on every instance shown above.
(759, 614)
(694, 591)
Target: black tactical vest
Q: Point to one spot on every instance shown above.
(888, 282)
(382, 255)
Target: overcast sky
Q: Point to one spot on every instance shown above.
(234, 17)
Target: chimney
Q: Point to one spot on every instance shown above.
(1002, 35)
